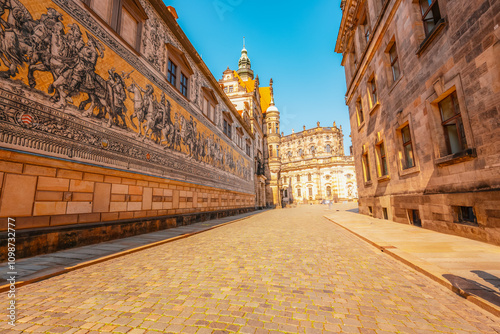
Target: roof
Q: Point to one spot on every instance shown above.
(265, 98)
(249, 85)
(265, 92)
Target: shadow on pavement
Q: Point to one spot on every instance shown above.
(474, 288)
(355, 210)
(492, 279)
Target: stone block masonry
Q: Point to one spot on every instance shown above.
(90, 204)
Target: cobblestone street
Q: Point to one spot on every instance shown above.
(287, 270)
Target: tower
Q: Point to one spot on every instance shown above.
(273, 142)
(244, 66)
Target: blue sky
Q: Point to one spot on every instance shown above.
(291, 41)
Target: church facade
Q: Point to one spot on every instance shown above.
(314, 168)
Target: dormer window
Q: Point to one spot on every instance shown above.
(230, 89)
(209, 103)
(125, 17)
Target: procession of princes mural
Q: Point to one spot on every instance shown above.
(34, 48)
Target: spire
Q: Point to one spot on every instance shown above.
(272, 91)
(244, 65)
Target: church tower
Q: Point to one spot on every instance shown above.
(273, 143)
(244, 66)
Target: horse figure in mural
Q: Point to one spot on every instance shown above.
(154, 118)
(49, 48)
(187, 133)
(14, 34)
(167, 127)
(140, 106)
(176, 135)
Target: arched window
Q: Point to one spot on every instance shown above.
(313, 150)
(299, 192)
(310, 191)
(309, 177)
(328, 148)
(285, 193)
(328, 191)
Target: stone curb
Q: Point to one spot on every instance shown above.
(424, 268)
(6, 287)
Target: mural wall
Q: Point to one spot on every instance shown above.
(70, 90)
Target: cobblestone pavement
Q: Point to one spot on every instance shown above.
(282, 271)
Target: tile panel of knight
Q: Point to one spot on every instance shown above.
(50, 62)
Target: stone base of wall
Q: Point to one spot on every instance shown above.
(31, 242)
(437, 212)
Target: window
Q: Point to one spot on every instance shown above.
(384, 212)
(313, 150)
(225, 89)
(129, 28)
(329, 191)
(452, 124)
(270, 150)
(328, 148)
(465, 215)
(408, 160)
(382, 168)
(277, 128)
(299, 193)
(366, 167)
(125, 17)
(172, 73)
(359, 112)
(309, 177)
(270, 127)
(366, 30)
(301, 153)
(310, 192)
(414, 218)
(227, 128)
(230, 89)
(102, 8)
(184, 85)
(430, 14)
(373, 91)
(211, 112)
(205, 106)
(393, 55)
(285, 193)
(298, 178)
(370, 211)
(248, 149)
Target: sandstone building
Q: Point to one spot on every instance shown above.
(423, 90)
(112, 125)
(314, 167)
(256, 107)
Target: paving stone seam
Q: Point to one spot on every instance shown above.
(478, 301)
(6, 287)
